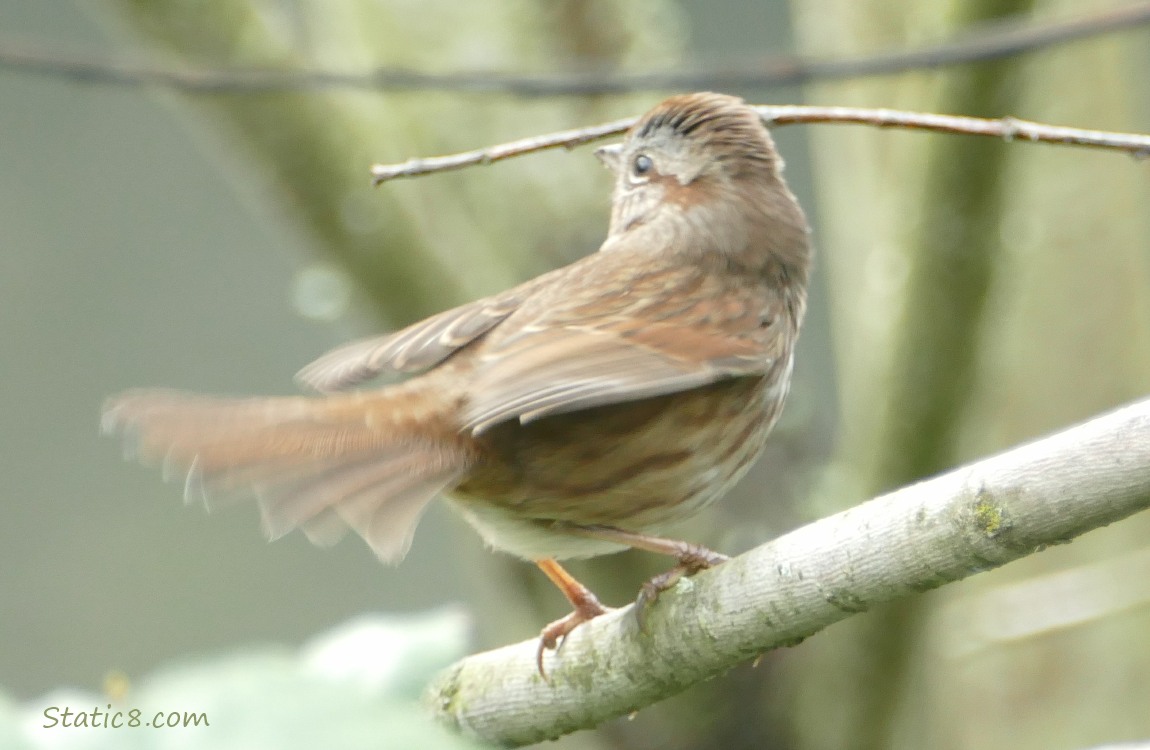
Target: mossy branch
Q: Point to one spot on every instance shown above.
(941, 530)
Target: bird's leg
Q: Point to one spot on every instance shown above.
(586, 607)
(691, 559)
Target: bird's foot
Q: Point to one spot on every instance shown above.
(555, 635)
(692, 558)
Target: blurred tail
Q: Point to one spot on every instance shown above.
(367, 460)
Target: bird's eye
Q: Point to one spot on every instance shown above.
(642, 164)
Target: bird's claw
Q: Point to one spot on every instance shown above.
(693, 559)
(555, 634)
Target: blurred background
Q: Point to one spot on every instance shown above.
(970, 294)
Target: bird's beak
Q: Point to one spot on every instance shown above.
(610, 155)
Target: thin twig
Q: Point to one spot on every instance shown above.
(992, 42)
(964, 522)
(562, 139)
(1007, 128)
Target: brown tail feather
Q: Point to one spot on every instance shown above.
(317, 464)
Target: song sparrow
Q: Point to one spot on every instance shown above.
(574, 415)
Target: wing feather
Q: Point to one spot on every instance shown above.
(672, 329)
(416, 348)
(580, 370)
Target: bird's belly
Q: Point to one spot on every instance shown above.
(636, 466)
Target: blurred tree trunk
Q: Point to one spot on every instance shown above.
(964, 292)
(419, 246)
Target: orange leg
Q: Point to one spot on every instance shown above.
(586, 604)
(691, 559)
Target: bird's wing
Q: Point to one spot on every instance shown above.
(668, 330)
(418, 347)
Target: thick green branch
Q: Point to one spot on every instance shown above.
(941, 530)
(312, 147)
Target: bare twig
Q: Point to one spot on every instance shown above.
(925, 535)
(1007, 128)
(992, 42)
(562, 139)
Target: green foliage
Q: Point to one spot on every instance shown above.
(355, 686)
